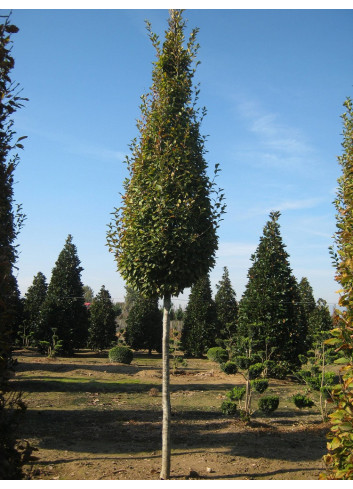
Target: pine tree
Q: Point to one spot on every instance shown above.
(226, 307)
(269, 312)
(64, 307)
(164, 235)
(144, 325)
(200, 320)
(33, 302)
(102, 326)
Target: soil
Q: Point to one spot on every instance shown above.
(90, 419)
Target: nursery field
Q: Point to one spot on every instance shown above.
(91, 419)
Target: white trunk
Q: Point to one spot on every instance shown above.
(165, 472)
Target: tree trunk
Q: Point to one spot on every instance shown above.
(165, 472)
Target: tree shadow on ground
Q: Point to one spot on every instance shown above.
(132, 431)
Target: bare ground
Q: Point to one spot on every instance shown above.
(90, 419)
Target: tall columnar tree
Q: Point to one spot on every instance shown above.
(319, 322)
(11, 218)
(200, 320)
(64, 307)
(269, 311)
(144, 325)
(339, 460)
(307, 305)
(102, 326)
(164, 234)
(226, 307)
(33, 302)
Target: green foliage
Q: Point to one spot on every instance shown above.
(217, 354)
(144, 325)
(242, 361)
(302, 401)
(164, 234)
(63, 307)
(277, 370)
(229, 368)
(12, 457)
(121, 354)
(339, 461)
(268, 404)
(33, 302)
(259, 385)
(269, 312)
(88, 293)
(199, 328)
(229, 408)
(226, 307)
(236, 394)
(255, 370)
(102, 327)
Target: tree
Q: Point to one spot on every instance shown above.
(319, 323)
(33, 302)
(102, 326)
(339, 460)
(269, 312)
(226, 307)
(11, 220)
(144, 325)
(88, 293)
(164, 234)
(200, 320)
(307, 304)
(64, 307)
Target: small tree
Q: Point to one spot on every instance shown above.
(144, 325)
(88, 293)
(164, 235)
(33, 302)
(200, 320)
(226, 307)
(102, 326)
(64, 307)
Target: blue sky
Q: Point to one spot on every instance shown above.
(273, 82)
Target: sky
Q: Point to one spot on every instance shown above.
(273, 82)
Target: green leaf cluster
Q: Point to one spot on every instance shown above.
(339, 460)
(164, 234)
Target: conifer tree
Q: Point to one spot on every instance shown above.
(307, 306)
(102, 326)
(64, 307)
(269, 312)
(164, 234)
(144, 325)
(200, 320)
(33, 302)
(226, 307)
(319, 322)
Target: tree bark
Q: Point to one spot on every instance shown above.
(165, 471)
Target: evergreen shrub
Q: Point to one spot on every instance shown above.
(259, 385)
(243, 362)
(255, 370)
(217, 354)
(229, 368)
(302, 401)
(236, 394)
(121, 354)
(268, 404)
(229, 408)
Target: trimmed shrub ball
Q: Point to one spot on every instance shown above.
(121, 354)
